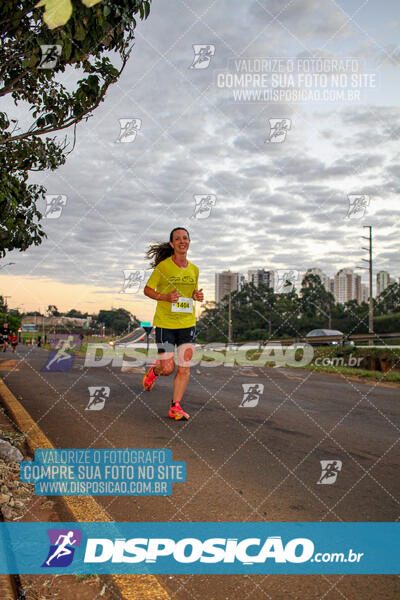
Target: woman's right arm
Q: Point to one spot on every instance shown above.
(171, 297)
(148, 291)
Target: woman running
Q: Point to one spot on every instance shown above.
(173, 284)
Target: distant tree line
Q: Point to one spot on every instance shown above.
(259, 314)
(115, 321)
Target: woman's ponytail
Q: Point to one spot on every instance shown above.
(158, 252)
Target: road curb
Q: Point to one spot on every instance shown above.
(82, 508)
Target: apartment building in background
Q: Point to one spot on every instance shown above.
(347, 286)
(242, 281)
(383, 280)
(260, 276)
(364, 293)
(225, 282)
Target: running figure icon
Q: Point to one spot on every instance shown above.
(62, 353)
(329, 471)
(62, 550)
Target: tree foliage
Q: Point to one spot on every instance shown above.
(117, 319)
(87, 42)
(315, 299)
(76, 314)
(52, 311)
(13, 320)
(388, 301)
(58, 12)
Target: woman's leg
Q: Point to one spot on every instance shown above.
(180, 383)
(185, 353)
(165, 340)
(165, 365)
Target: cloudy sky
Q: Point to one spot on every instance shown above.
(281, 196)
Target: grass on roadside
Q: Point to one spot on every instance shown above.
(323, 351)
(389, 376)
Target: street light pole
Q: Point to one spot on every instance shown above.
(5, 310)
(230, 317)
(371, 300)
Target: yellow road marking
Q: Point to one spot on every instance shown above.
(6, 365)
(83, 508)
(7, 591)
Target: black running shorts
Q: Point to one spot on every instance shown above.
(167, 339)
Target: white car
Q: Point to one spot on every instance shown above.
(329, 332)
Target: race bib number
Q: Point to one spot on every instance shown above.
(183, 305)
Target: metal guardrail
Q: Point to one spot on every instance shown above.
(357, 337)
(373, 336)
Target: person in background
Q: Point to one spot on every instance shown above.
(14, 341)
(5, 340)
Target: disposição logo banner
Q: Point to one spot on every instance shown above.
(201, 548)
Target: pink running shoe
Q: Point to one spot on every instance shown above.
(150, 377)
(176, 412)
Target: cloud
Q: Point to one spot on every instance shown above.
(306, 19)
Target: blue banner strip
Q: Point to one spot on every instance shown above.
(200, 548)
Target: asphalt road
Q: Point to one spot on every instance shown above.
(259, 463)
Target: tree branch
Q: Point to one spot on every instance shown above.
(9, 87)
(17, 17)
(71, 120)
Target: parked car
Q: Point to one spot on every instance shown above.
(329, 332)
